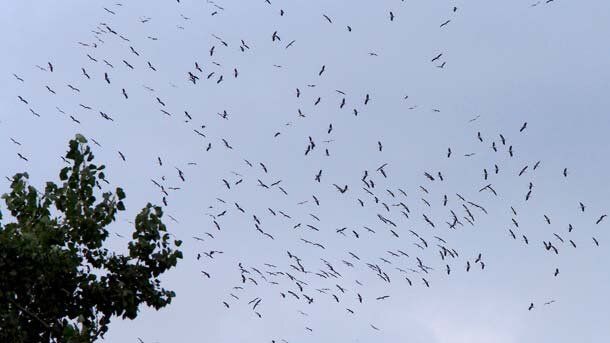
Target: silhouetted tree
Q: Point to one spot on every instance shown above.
(58, 281)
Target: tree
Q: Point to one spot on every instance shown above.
(58, 282)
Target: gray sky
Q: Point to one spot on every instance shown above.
(506, 62)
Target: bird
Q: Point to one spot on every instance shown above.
(436, 57)
(340, 189)
(601, 218)
(318, 175)
(322, 70)
(128, 64)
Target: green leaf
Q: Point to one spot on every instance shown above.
(80, 138)
(120, 193)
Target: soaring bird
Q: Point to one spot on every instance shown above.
(523, 127)
(341, 190)
(322, 70)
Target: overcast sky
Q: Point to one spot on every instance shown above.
(505, 63)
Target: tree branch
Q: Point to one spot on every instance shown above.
(23, 309)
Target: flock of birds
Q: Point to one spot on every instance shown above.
(414, 219)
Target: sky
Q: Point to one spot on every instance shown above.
(506, 63)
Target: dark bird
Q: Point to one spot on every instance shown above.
(322, 70)
(127, 64)
(342, 190)
(436, 57)
(319, 175)
(601, 218)
(523, 170)
(523, 127)
(226, 144)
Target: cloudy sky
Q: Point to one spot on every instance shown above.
(505, 63)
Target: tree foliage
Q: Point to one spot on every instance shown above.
(58, 281)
